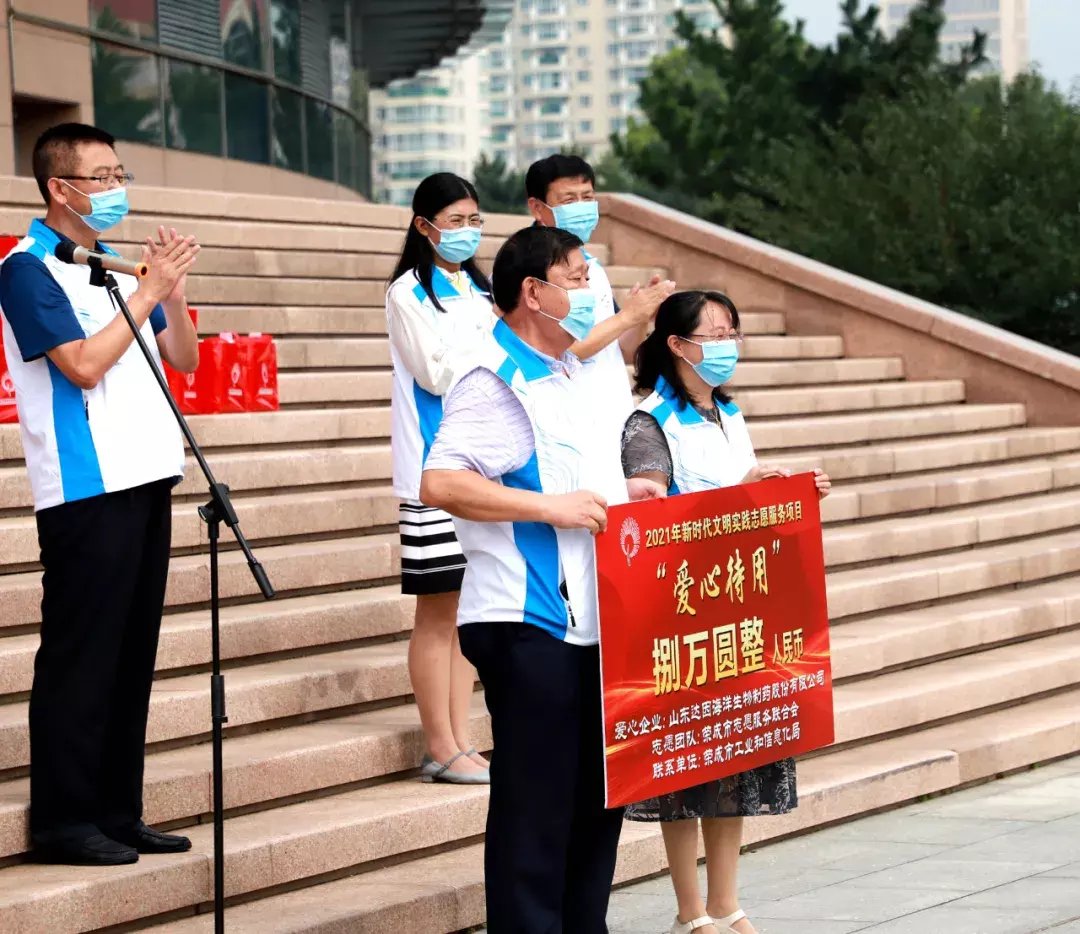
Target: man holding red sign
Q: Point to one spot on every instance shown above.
(714, 630)
(523, 463)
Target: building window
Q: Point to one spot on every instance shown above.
(585, 126)
(136, 19)
(320, 139)
(285, 36)
(583, 25)
(243, 32)
(288, 142)
(584, 101)
(583, 76)
(246, 111)
(127, 93)
(193, 108)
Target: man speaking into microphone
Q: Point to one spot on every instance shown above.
(103, 453)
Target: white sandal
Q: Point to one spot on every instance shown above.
(724, 925)
(680, 927)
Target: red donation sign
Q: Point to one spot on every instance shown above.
(714, 636)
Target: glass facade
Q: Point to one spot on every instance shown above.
(266, 81)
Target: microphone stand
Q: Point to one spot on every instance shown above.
(219, 509)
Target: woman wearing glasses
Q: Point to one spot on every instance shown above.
(690, 436)
(438, 310)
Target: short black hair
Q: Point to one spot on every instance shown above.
(528, 254)
(542, 173)
(54, 151)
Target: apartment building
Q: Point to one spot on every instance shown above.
(565, 73)
(1005, 23)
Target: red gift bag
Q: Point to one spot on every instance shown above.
(8, 412)
(258, 357)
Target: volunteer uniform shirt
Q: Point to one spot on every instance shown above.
(80, 443)
(608, 373)
(429, 348)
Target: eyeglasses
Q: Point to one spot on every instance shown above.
(736, 336)
(456, 222)
(117, 180)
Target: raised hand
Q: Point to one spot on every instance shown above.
(169, 258)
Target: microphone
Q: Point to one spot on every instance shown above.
(67, 251)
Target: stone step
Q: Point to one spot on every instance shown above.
(265, 767)
(1034, 467)
(283, 319)
(350, 831)
(316, 386)
(298, 686)
(257, 234)
(178, 202)
(304, 353)
(926, 454)
(860, 428)
(771, 403)
(307, 264)
(290, 317)
(946, 489)
(866, 647)
(373, 423)
(903, 700)
(338, 562)
(246, 471)
(298, 513)
(963, 527)
(915, 581)
(250, 290)
(256, 694)
(245, 429)
(814, 373)
(250, 631)
(275, 516)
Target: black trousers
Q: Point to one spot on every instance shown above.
(550, 850)
(106, 562)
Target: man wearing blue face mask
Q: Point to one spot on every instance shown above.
(103, 453)
(561, 192)
(523, 462)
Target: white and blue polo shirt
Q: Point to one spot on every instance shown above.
(80, 443)
(530, 572)
(460, 329)
(704, 455)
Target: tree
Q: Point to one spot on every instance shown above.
(501, 191)
(714, 107)
(966, 198)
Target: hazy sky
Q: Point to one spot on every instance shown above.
(1053, 28)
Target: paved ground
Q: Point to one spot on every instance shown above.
(1001, 858)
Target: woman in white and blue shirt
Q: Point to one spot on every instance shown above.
(690, 436)
(439, 313)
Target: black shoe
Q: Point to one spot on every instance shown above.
(147, 840)
(96, 850)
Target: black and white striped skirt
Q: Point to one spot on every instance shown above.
(431, 558)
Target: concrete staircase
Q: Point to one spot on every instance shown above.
(952, 543)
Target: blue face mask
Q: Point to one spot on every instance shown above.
(579, 321)
(107, 208)
(579, 218)
(458, 245)
(718, 361)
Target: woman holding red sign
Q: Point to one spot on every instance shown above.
(690, 436)
(439, 311)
